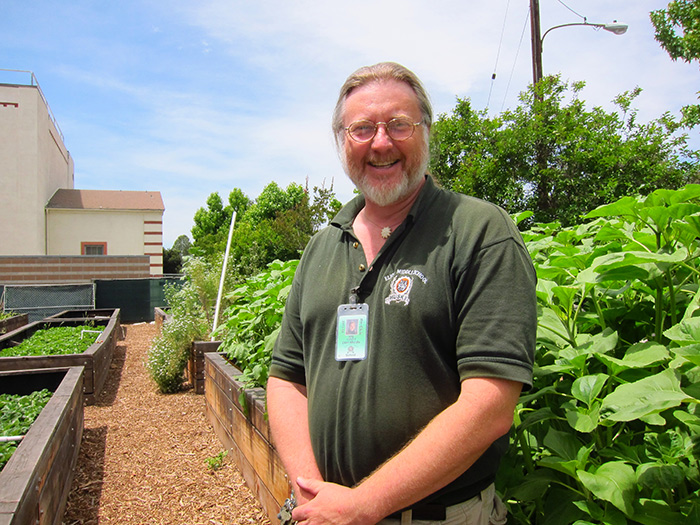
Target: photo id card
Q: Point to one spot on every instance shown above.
(351, 332)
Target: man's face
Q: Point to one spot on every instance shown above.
(384, 170)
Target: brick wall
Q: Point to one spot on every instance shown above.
(63, 269)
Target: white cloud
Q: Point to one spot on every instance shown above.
(196, 97)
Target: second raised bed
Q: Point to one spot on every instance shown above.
(96, 359)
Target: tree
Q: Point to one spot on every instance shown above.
(182, 245)
(211, 224)
(274, 200)
(557, 158)
(677, 29)
(277, 225)
(172, 261)
(173, 257)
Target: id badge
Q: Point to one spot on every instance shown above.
(351, 332)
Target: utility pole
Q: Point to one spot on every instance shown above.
(536, 41)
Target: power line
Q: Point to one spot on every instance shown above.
(520, 44)
(574, 12)
(498, 53)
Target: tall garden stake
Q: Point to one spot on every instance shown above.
(223, 274)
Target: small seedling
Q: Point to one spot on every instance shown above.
(216, 462)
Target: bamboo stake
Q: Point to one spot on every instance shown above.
(223, 275)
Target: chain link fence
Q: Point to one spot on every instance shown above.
(40, 301)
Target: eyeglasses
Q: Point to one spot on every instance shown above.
(397, 128)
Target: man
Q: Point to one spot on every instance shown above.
(407, 418)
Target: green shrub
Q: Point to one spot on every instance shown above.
(188, 322)
(610, 433)
(169, 352)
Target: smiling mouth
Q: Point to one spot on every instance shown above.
(383, 164)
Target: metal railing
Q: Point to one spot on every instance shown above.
(35, 83)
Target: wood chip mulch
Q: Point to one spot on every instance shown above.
(143, 457)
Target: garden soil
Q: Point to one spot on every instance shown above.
(144, 455)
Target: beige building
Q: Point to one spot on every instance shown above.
(93, 222)
(40, 211)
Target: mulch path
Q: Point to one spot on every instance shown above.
(143, 457)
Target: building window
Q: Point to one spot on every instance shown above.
(93, 248)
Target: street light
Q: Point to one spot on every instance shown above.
(615, 28)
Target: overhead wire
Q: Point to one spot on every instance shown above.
(515, 60)
(574, 12)
(498, 54)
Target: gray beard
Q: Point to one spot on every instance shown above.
(384, 196)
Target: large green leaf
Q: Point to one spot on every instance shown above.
(689, 352)
(624, 206)
(563, 444)
(615, 482)
(583, 420)
(647, 396)
(602, 343)
(635, 261)
(532, 418)
(550, 327)
(534, 485)
(657, 512)
(566, 296)
(641, 355)
(685, 332)
(686, 193)
(588, 387)
(654, 475)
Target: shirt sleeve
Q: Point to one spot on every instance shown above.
(496, 304)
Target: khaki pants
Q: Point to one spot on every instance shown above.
(484, 509)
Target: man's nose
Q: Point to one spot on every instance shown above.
(381, 138)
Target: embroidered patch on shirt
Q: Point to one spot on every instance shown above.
(401, 284)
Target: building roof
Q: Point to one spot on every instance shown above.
(106, 200)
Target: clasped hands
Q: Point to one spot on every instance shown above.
(330, 504)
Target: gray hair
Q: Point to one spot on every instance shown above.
(380, 72)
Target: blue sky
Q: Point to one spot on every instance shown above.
(189, 97)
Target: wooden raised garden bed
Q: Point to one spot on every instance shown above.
(195, 363)
(35, 482)
(245, 432)
(160, 316)
(91, 315)
(12, 323)
(96, 359)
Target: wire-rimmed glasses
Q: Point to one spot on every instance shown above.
(398, 129)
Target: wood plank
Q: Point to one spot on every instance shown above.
(35, 481)
(236, 427)
(270, 502)
(55, 486)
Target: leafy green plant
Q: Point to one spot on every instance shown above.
(169, 352)
(17, 413)
(253, 320)
(610, 433)
(56, 340)
(6, 315)
(216, 462)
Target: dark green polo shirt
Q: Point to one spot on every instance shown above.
(451, 296)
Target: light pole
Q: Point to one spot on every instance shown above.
(544, 186)
(537, 40)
